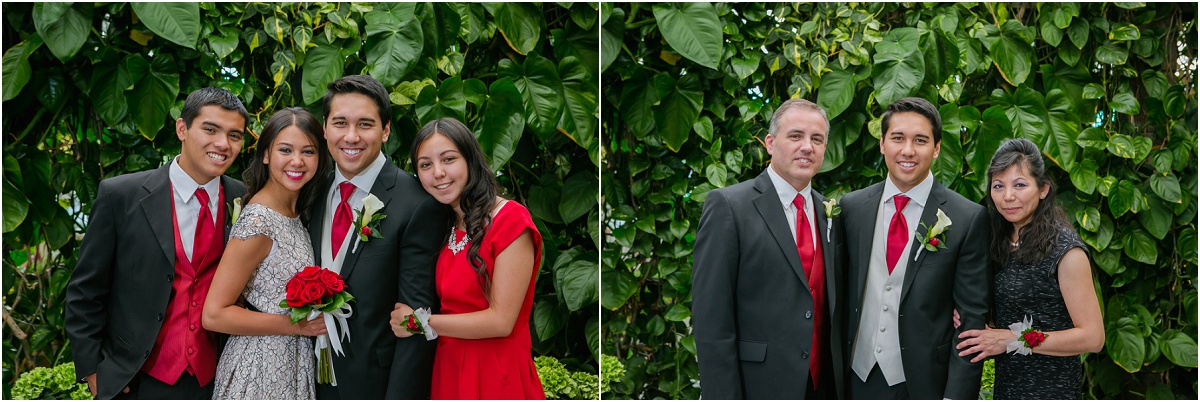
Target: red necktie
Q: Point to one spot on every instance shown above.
(204, 228)
(815, 273)
(897, 233)
(342, 217)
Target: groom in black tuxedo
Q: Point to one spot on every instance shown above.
(398, 267)
(154, 238)
(766, 283)
(902, 295)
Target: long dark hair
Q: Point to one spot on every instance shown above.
(1040, 235)
(479, 195)
(257, 174)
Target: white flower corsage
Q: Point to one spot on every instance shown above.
(366, 225)
(1027, 337)
(832, 210)
(934, 239)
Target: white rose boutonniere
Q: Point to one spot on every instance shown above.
(832, 210)
(934, 239)
(366, 225)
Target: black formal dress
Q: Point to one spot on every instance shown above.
(1033, 290)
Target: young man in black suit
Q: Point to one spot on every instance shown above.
(398, 267)
(154, 238)
(766, 282)
(901, 292)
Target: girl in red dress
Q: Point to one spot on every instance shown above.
(485, 274)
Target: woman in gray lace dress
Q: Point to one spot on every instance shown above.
(1043, 285)
(267, 357)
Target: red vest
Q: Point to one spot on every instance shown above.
(183, 344)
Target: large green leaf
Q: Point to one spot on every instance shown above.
(844, 131)
(693, 30)
(580, 104)
(107, 92)
(1079, 32)
(1083, 175)
(1179, 348)
(17, 70)
(1167, 187)
(941, 54)
(1099, 239)
(1126, 103)
(679, 108)
(836, 92)
(1012, 53)
(153, 93)
(1156, 219)
(1141, 247)
(441, 25)
(16, 206)
(994, 128)
(547, 320)
(1123, 342)
(1059, 144)
(521, 25)
(578, 281)
(1121, 201)
(502, 123)
(638, 98)
(541, 91)
(395, 41)
(1124, 31)
(947, 167)
(611, 32)
(899, 65)
(176, 22)
(1026, 111)
(444, 100)
(1111, 53)
(578, 196)
(63, 26)
(617, 286)
(322, 65)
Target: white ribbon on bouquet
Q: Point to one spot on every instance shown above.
(333, 320)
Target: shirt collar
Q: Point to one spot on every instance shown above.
(186, 187)
(918, 194)
(785, 191)
(367, 178)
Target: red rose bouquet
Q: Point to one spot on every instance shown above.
(312, 291)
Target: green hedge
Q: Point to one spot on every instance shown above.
(1106, 90)
(90, 91)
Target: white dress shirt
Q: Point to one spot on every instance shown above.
(878, 339)
(362, 186)
(187, 207)
(787, 193)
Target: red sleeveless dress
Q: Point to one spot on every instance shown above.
(493, 368)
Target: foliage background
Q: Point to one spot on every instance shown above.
(1107, 90)
(90, 91)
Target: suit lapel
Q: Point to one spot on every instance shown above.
(382, 189)
(316, 221)
(767, 203)
(928, 218)
(865, 231)
(825, 233)
(156, 205)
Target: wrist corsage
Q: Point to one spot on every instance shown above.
(417, 323)
(1027, 338)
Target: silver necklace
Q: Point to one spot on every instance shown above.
(1014, 244)
(454, 246)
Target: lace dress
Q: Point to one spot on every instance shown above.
(1033, 290)
(275, 366)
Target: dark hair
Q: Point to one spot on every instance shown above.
(798, 104)
(364, 85)
(916, 105)
(1041, 233)
(212, 96)
(257, 174)
(479, 195)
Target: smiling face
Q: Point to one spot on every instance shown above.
(442, 169)
(908, 148)
(798, 148)
(292, 159)
(1016, 194)
(355, 132)
(211, 144)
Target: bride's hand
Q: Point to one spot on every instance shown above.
(399, 318)
(314, 327)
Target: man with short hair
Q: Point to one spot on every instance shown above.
(765, 277)
(154, 238)
(397, 267)
(905, 277)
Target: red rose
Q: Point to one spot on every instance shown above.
(412, 323)
(332, 282)
(295, 303)
(933, 242)
(312, 292)
(1034, 338)
(366, 231)
(309, 273)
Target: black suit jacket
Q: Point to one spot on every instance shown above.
(935, 284)
(122, 283)
(399, 267)
(751, 304)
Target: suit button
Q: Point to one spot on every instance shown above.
(194, 304)
(881, 329)
(884, 308)
(192, 327)
(146, 355)
(808, 314)
(160, 317)
(804, 355)
(878, 350)
(191, 351)
(170, 277)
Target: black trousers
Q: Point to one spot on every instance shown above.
(145, 386)
(876, 386)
